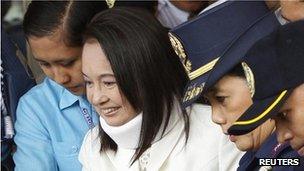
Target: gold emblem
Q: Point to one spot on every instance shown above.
(110, 3)
(193, 91)
(249, 77)
(203, 69)
(179, 50)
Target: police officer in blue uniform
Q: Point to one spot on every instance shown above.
(277, 66)
(207, 59)
(16, 79)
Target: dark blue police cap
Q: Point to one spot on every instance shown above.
(274, 66)
(202, 41)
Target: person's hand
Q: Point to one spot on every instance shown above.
(292, 10)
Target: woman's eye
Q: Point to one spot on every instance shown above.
(220, 99)
(109, 84)
(87, 83)
(68, 64)
(44, 64)
(282, 115)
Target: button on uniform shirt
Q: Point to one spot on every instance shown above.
(49, 128)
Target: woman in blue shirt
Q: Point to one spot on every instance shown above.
(50, 121)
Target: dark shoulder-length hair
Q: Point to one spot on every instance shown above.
(44, 18)
(146, 68)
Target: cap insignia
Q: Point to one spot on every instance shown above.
(179, 50)
(110, 3)
(249, 77)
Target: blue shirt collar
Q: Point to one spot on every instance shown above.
(67, 99)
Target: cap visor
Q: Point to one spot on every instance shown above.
(258, 113)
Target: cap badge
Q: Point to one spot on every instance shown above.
(179, 50)
(249, 78)
(110, 3)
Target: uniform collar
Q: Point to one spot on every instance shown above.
(249, 160)
(265, 151)
(64, 96)
(217, 3)
(67, 99)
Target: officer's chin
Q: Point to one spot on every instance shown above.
(78, 91)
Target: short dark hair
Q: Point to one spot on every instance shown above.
(44, 18)
(147, 70)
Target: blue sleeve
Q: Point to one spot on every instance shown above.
(34, 148)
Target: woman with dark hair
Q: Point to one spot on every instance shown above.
(50, 123)
(135, 81)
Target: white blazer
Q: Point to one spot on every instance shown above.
(207, 149)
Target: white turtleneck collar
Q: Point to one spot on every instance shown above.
(127, 136)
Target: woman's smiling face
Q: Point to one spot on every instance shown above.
(102, 90)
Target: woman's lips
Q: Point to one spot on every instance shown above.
(109, 111)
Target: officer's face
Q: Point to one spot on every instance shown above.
(229, 98)
(102, 89)
(59, 62)
(290, 121)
